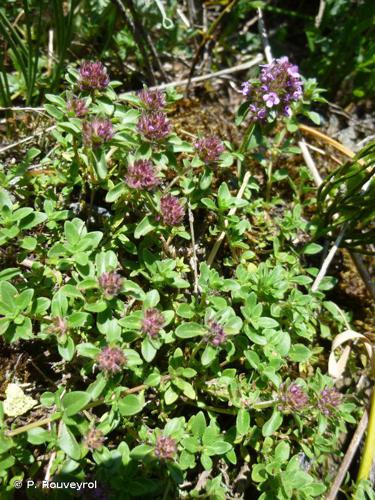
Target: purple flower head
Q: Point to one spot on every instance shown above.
(165, 448)
(153, 100)
(329, 400)
(111, 360)
(279, 84)
(93, 76)
(142, 175)
(293, 398)
(94, 439)
(152, 322)
(77, 107)
(172, 211)
(209, 148)
(97, 132)
(110, 283)
(154, 125)
(216, 334)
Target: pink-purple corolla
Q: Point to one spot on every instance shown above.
(328, 401)
(154, 125)
(165, 448)
(209, 148)
(94, 439)
(93, 76)
(77, 107)
(111, 360)
(216, 335)
(152, 322)
(97, 132)
(142, 175)
(171, 209)
(293, 398)
(60, 326)
(153, 100)
(279, 84)
(110, 283)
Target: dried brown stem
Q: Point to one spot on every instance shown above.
(347, 460)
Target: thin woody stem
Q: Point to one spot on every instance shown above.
(93, 404)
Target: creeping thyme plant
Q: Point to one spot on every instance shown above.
(169, 370)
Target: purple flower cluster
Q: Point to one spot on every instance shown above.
(154, 125)
(165, 448)
(142, 175)
(93, 76)
(97, 132)
(111, 359)
(152, 322)
(278, 86)
(293, 398)
(110, 283)
(153, 100)
(172, 211)
(94, 439)
(77, 107)
(209, 148)
(216, 335)
(329, 399)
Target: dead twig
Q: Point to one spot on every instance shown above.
(264, 37)
(146, 37)
(207, 36)
(365, 275)
(310, 162)
(347, 460)
(26, 109)
(320, 14)
(27, 139)
(332, 142)
(138, 38)
(217, 74)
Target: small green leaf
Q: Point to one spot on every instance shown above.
(312, 249)
(242, 422)
(299, 353)
(67, 350)
(53, 111)
(209, 354)
(148, 350)
(190, 330)
(77, 319)
(218, 448)
(100, 163)
(144, 227)
(115, 193)
(153, 379)
(272, 424)
(75, 401)
(130, 405)
(141, 451)
(38, 436)
(71, 291)
(68, 443)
